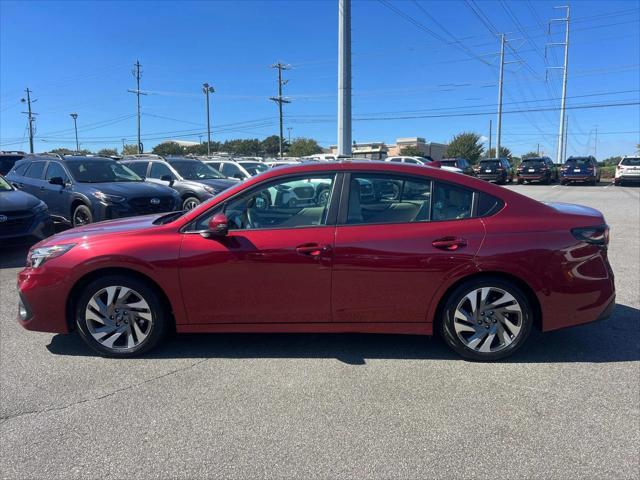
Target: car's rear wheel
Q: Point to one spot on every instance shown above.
(486, 319)
(190, 203)
(82, 216)
(120, 316)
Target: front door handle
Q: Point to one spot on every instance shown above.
(449, 243)
(312, 249)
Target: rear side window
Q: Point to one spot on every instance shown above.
(488, 205)
(451, 202)
(139, 167)
(35, 170)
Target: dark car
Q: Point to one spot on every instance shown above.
(461, 163)
(8, 160)
(194, 181)
(80, 190)
(497, 170)
(538, 169)
(23, 217)
(580, 169)
(449, 254)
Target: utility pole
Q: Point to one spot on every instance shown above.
(289, 131)
(123, 145)
(595, 146)
(499, 127)
(488, 151)
(75, 126)
(206, 89)
(561, 134)
(30, 115)
(280, 99)
(566, 136)
(538, 150)
(137, 73)
(344, 77)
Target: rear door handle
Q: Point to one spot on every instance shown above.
(449, 243)
(312, 249)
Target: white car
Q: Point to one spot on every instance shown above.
(420, 161)
(628, 170)
(241, 170)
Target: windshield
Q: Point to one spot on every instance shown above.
(254, 167)
(195, 170)
(632, 162)
(579, 161)
(4, 185)
(98, 171)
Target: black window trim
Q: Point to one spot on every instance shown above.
(344, 199)
(331, 215)
(64, 168)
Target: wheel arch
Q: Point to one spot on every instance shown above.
(87, 278)
(74, 204)
(519, 282)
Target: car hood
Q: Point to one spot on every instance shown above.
(218, 183)
(101, 229)
(451, 169)
(15, 201)
(131, 189)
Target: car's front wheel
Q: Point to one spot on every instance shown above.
(82, 216)
(486, 319)
(190, 203)
(120, 316)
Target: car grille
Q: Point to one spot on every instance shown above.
(143, 205)
(16, 222)
(304, 192)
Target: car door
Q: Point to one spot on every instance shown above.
(274, 266)
(57, 197)
(392, 254)
(32, 180)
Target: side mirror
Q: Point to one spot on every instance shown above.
(218, 225)
(167, 178)
(239, 176)
(57, 181)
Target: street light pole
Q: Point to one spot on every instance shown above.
(75, 127)
(206, 89)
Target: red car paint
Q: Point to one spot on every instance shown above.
(386, 278)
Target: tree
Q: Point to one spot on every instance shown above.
(108, 152)
(530, 155)
(411, 151)
(504, 153)
(201, 148)
(301, 147)
(465, 145)
(271, 145)
(130, 150)
(243, 146)
(168, 148)
(611, 161)
(66, 151)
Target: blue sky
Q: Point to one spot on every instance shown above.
(78, 57)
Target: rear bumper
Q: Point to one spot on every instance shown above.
(533, 176)
(578, 178)
(628, 178)
(498, 177)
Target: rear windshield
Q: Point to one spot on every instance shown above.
(578, 161)
(448, 163)
(532, 161)
(633, 162)
(489, 163)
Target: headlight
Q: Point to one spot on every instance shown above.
(103, 197)
(210, 190)
(40, 207)
(38, 256)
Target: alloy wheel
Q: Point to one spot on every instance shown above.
(191, 203)
(488, 319)
(118, 318)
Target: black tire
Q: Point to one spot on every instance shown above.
(454, 340)
(156, 328)
(190, 203)
(81, 216)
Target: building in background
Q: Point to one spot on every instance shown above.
(380, 150)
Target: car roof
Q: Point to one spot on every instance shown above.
(79, 158)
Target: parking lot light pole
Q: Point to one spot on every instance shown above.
(206, 89)
(75, 127)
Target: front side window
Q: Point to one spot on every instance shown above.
(35, 170)
(140, 168)
(388, 199)
(255, 168)
(4, 185)
(159, 170)
(232, 170)
(292, 203)
(55, 170)
(195, 170)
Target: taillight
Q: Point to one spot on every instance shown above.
(598, 235)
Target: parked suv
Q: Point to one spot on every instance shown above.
(628, 170)
(79, 190)
(580, 169)
(240, 170)
(421, 161)
(461, 163)
(8, 160)
(23, 217)
(194, 181)
(539, 169)
(497, 170)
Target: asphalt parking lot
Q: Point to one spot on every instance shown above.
(333, 406)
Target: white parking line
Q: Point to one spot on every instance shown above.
(555, 186)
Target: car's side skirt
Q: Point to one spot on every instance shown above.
(391, 327)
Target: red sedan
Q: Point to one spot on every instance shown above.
(329, 247)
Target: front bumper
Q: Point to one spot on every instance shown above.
(111, 211)
(39, 228)
(43, 293)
